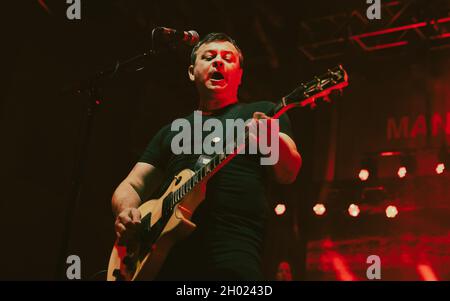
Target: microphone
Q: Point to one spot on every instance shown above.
(173, 36)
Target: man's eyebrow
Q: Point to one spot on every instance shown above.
(215, 51)
(210, 50)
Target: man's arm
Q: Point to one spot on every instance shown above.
(142, 181)
(289, 161)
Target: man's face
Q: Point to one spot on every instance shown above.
(217, 69)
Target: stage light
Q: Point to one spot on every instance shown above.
(319, 209)
(389, 154)
(408, 165)
(402, 172)
(353, 210)
(391, 211)
(426, 272)
(443, 159)
(368, 168)
(440, 167)
(363, 174)
(280, 209)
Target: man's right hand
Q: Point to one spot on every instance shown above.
(127, 224)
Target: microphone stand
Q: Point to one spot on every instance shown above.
(91, 87)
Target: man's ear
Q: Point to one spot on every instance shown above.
(191, 73)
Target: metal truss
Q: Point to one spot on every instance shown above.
(402, 23)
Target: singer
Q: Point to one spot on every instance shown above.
(231, 218)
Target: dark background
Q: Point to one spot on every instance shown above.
(42, 124)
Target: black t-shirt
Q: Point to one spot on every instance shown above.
(230, 221)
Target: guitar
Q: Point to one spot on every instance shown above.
(166, 220)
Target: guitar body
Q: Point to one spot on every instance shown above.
(147, 258)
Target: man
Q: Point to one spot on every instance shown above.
(284, 272)
(230, 221)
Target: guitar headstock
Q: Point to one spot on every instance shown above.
(319, 88)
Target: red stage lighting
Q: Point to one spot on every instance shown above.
(391, 211)
(319, 209)
(363, 174)
(440, 168)
(402, 172)
(353, 210)
(389, 154)
(280, 209)
(426, 272)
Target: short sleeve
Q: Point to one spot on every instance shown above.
(154, 152)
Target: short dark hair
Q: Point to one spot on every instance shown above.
(216, 36)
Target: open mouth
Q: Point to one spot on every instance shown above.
(217, 76)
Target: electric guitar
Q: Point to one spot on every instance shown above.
(166, 220)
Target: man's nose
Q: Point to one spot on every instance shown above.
(218, 63)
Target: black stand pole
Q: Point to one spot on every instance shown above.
(91, 88)
(76, 184)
